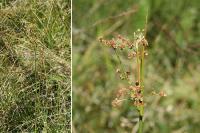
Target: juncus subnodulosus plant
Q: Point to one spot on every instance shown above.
(136, 50)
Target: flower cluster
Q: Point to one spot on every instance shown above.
(134, 93)
(122, 43)
(118, 42)
(136, 49)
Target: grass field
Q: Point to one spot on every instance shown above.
(35, 66)
(173, 65)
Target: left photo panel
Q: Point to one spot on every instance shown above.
(35, 66)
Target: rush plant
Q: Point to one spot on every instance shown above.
(136, 49)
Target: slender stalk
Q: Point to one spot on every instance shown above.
(138, 66)
(140, 126)
(141, 83)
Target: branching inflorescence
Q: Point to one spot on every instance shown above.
(136, 50)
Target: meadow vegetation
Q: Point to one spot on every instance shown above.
(35, 66)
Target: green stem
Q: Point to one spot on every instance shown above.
(140, 124)
(142, 70)
(141, 82)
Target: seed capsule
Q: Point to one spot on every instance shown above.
(128, 73)
(137, 83)
(141, 100)
(139, 91)
(101, 39)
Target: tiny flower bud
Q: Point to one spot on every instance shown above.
(141, 100)
(122, 46)
(119, 37)
(144, 42)
(139, 91)
(121, 92)
(131, 55)
(116, 102)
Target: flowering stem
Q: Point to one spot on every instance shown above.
(136, 92)
(140, 63)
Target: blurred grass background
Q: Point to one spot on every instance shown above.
(173, 65)
(35, 66)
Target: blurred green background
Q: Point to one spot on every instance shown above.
(172, 65)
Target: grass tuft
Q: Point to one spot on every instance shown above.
(35, 66)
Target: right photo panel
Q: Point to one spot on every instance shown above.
(135, 66)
